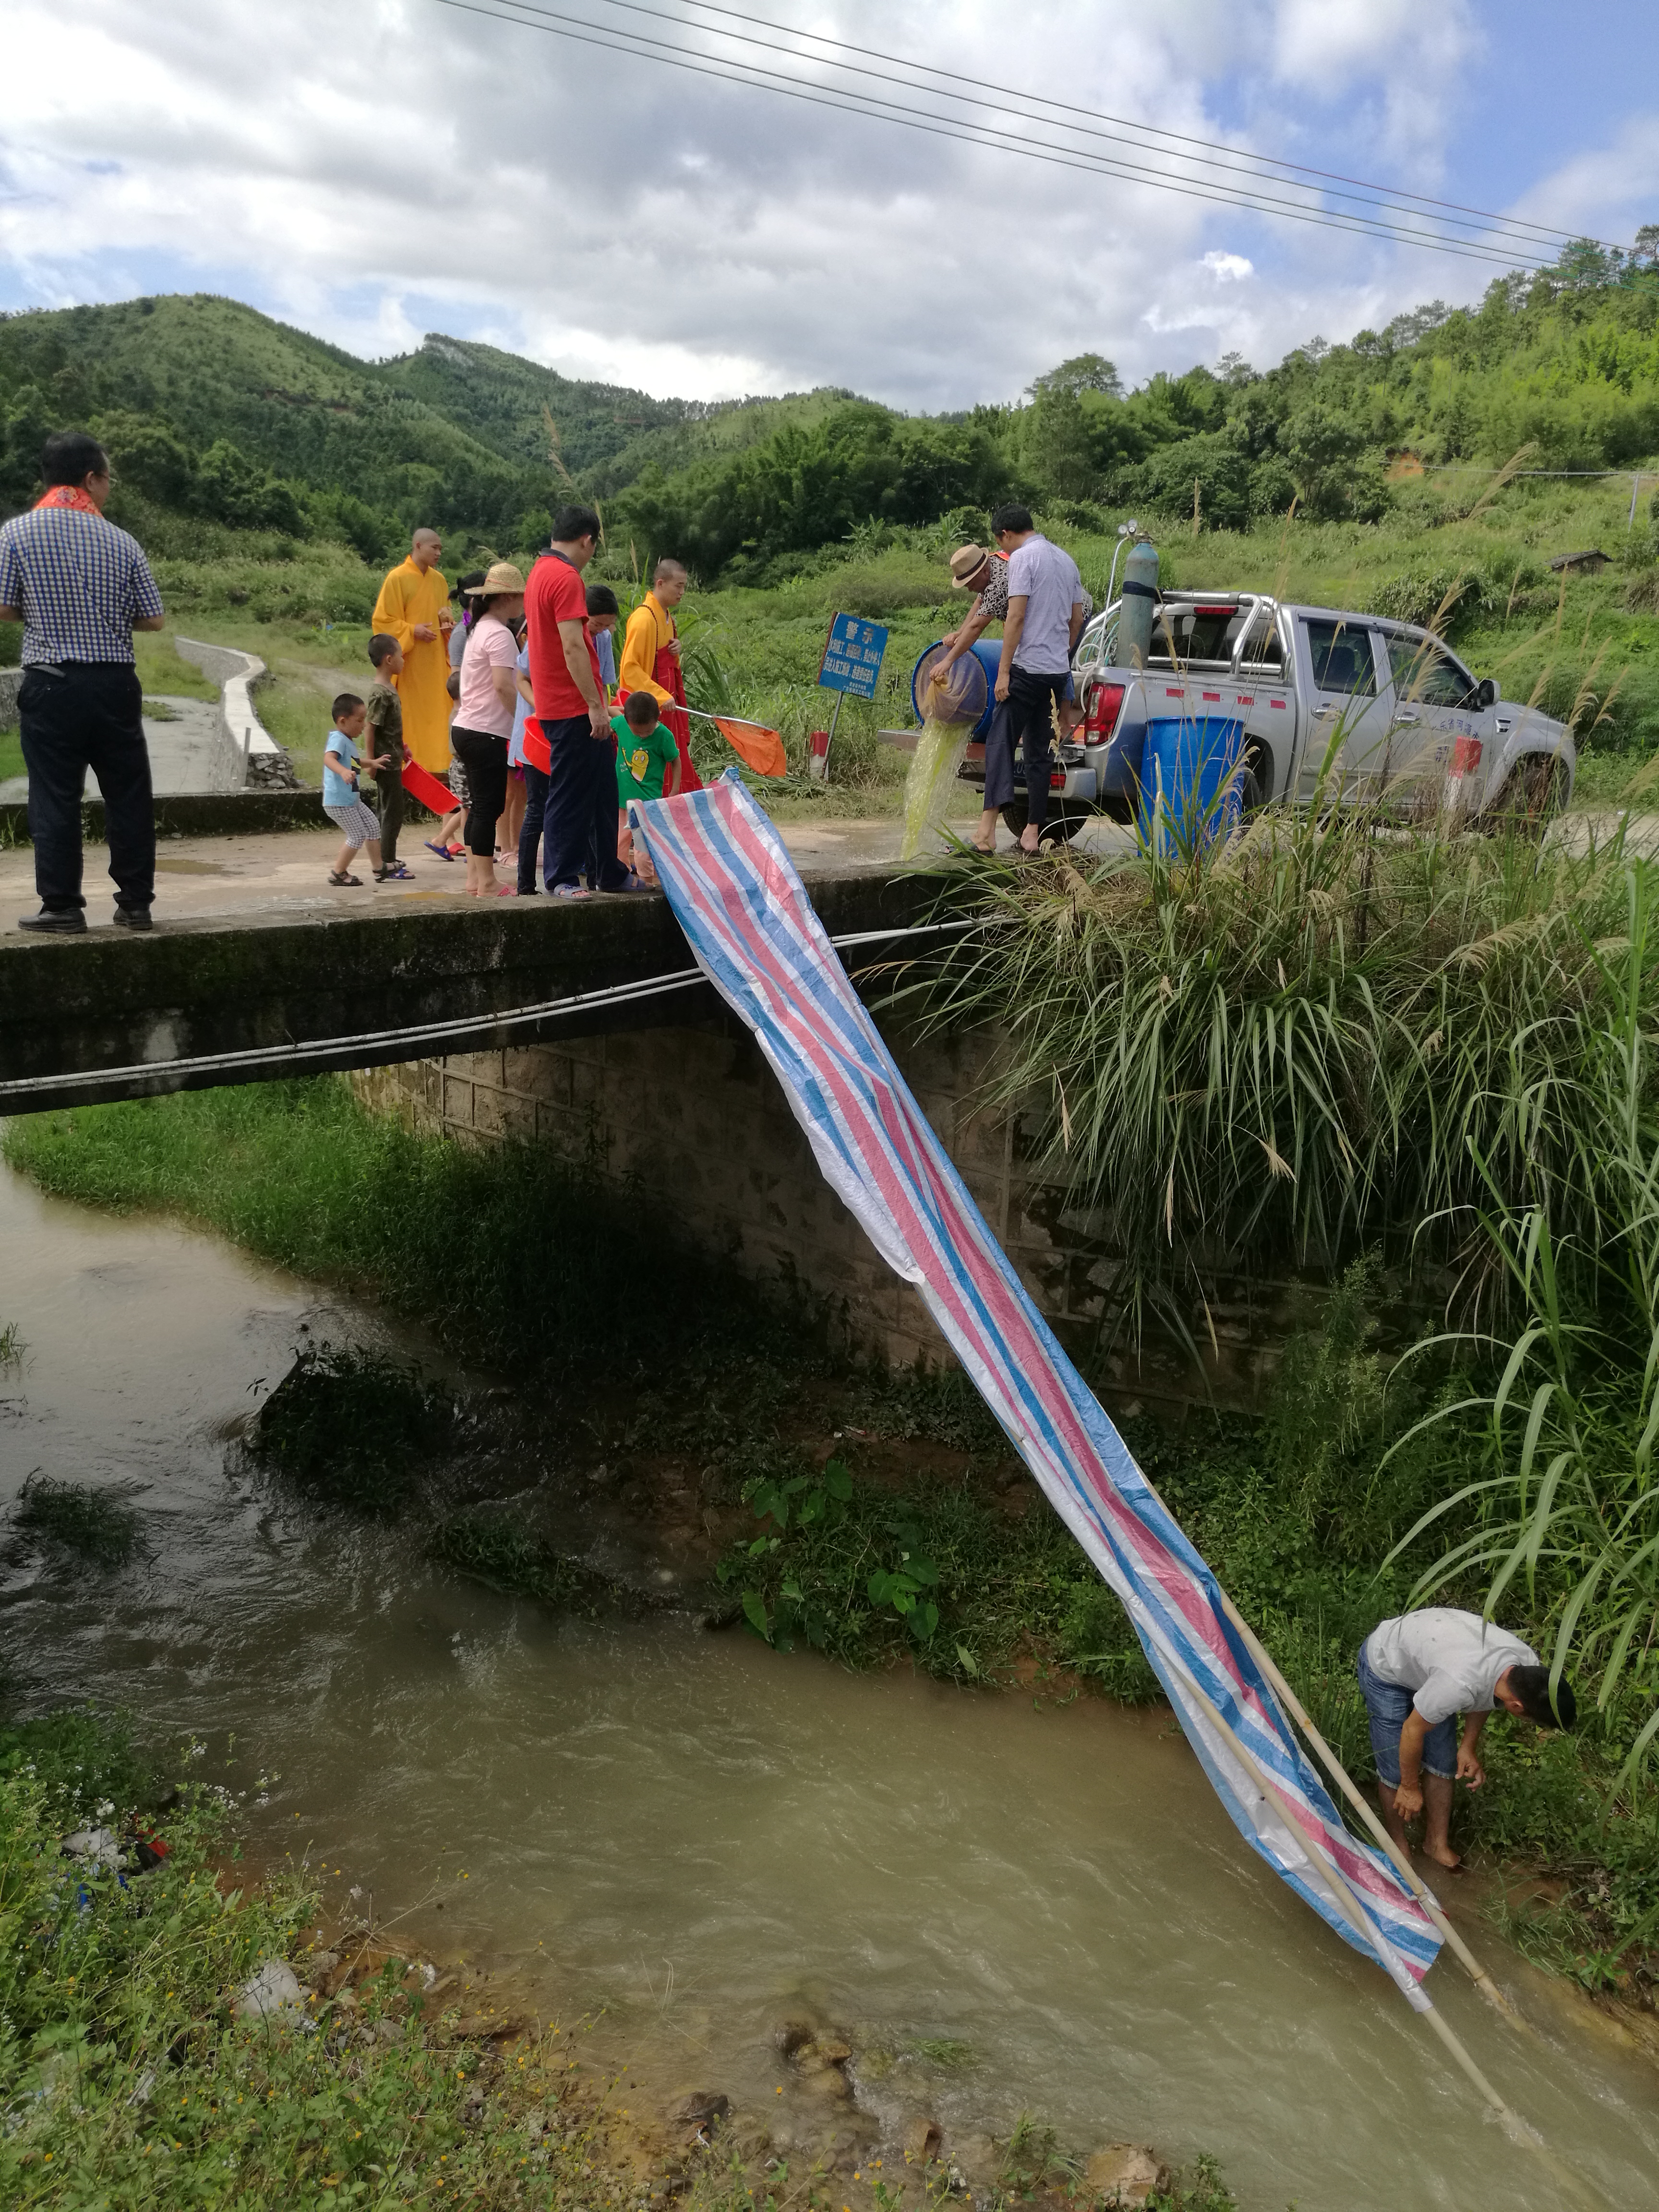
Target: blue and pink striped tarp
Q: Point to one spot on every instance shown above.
(746, 912)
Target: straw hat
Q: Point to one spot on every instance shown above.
(501, 577)
(966, 562)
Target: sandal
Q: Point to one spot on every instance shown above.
(396, 873)
(442, 851)
(340, 882)
(571, 892)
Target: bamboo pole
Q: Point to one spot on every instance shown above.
(1350, 1912)
(1367, 1811)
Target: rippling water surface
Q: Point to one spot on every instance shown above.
(706, 1838)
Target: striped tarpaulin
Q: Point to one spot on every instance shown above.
(752, 928)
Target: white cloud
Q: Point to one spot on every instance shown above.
(376, 171)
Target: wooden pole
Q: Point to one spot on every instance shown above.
(1350, 1911)
(1425, 1896)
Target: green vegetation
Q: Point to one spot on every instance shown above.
(272, 478)
(499, 1551)
(1310, 1036)
(353, 1429)
(95, 1523)
(886, 1523)
(131, 2080)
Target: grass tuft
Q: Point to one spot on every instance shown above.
(353, 1429)
(96, 1524)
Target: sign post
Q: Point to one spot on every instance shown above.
(849, 666)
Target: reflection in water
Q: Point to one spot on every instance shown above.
(709, 1839)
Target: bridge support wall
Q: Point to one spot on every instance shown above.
(694, 1119)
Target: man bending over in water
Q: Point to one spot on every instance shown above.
(1417, 1673)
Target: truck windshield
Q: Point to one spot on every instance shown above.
(1183, 631)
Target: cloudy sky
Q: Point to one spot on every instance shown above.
(372, 170)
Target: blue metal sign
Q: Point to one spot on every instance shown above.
(853, 655)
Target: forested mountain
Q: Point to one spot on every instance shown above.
(215, 412)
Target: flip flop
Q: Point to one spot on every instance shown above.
(442, 851)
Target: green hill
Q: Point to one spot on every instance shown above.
(221, 420)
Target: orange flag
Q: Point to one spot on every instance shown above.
(758, 748)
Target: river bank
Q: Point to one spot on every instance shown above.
(707, 1835)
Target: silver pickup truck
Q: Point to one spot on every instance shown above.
(1415, 726)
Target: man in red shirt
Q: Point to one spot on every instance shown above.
(579, 816)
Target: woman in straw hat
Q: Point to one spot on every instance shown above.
(483, 719)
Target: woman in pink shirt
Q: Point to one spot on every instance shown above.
(484, 719)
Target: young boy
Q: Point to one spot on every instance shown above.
(341, 761)
(386, 723)
(648, 767)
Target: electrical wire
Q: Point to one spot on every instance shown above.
(1145, 130)
(583, 30)
(1086, 122)
(454, 1033)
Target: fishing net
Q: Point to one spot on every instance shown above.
(949, 709)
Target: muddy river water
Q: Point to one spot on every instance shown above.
(1003, 1908)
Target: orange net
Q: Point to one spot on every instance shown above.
(757, 748)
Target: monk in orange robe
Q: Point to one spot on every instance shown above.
(651, 660)
(414, 608)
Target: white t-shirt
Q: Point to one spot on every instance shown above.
(1045, 577)
(1451, 1660)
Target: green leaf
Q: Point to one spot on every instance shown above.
(754, 1608)
(967, 1662)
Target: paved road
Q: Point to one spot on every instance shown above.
(188, 752)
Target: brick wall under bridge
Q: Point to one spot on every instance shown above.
(696, 1120)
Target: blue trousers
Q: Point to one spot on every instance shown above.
(579, 809)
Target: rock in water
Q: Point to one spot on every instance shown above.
(1126, 2173)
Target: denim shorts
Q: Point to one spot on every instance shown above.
(1388, 1708)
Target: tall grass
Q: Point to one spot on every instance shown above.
(1317, 1033)
(1563, 1502)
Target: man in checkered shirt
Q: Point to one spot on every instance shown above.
(80, 587)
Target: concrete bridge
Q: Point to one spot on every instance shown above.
(281, 976)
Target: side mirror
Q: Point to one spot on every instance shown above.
(1486, 693)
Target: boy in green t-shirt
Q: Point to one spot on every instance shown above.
(386, 722)
(648, 767)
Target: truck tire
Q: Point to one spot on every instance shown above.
(1252, 785)
(1530, 797)
(1060, 827)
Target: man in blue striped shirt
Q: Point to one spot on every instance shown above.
(80, 587)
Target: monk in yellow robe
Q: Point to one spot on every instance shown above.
(651, 660)
(414, 608)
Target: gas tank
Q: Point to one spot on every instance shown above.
(970, 697)
(1138, 606)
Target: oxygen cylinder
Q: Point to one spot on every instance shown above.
(1139, 601)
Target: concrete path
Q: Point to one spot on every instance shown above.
(188, 752)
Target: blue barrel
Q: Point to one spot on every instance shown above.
(1183, 768)
(987, 654)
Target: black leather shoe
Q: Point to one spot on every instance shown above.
(133, 917)
(58, 921)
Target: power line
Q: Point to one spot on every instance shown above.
(1144, 130)
(525, 15)
(1138, 135)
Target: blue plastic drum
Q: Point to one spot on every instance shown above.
(1186, 798)
(970, 697)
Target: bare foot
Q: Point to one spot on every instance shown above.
(1449, 1858)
